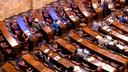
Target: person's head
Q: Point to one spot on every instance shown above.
(56, 20)
(70, 69)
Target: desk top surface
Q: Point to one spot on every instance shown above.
(56, 56)
(8, 35)
(9, 67)
(35, 63)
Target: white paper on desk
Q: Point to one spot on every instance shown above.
(110, 6)
(108, 30)
(94, 5)
(80, 40)
(98, 37)
(91, 59)
(56, 58)
(86, 13)
(105, 27)
(111, 43)
(86, 51)
(46, 50)
(120, 46)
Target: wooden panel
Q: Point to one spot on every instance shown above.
(13, 7)
(35, 63)
(8, 35)
(9, 67)
(40, 3)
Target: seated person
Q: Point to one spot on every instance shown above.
(122, 19)
(48, 62)
(103, 42)
(77, 58)
(77, 69)
(25, 68)
(55, 27)
(96, 26)
(99, 69)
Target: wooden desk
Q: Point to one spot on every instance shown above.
(72, 16)
(98, 50)
(97, 8)
(55, 17)
(25, 29)
(56, 56)
(123, 3)
(12, 41)
(8, 67)
(97, 63)
(89, 31)
(71, 48)
(116, 34)
(35, 63)
(49, 32)
(84, 11)
(120, 26)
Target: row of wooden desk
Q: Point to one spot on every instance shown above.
(115, 34)
(54, 55)
(91, 59)
(36, 63)
(118, 25)
(71, 48)
(98, 50)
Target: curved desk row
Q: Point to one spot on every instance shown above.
(122, 49)
(90, 59)
(98, 50)
(54, 55)
(89, 31)
(63, 43)
(115, 34)
(36, 63)
(119, 25)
